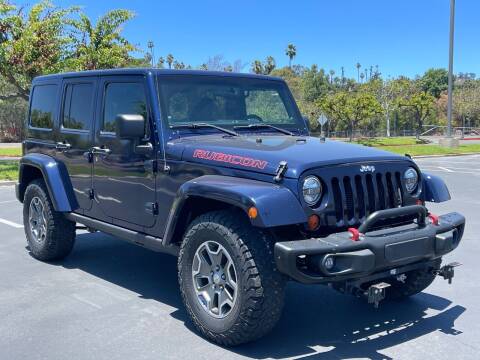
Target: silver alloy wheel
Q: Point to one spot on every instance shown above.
(214, 279)
(37, 220)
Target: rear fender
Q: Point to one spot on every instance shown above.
(276, 204)
(56, 179)
(434, 189)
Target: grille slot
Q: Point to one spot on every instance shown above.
(357, 197)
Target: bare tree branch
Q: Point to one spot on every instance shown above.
(10, 96)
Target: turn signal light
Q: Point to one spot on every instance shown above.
(252, 212)
(354, 234)
(433, 219)
(313, 222)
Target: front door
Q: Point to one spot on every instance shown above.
(123, 183)
(75, 135)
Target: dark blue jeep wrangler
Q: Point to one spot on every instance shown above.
(219, 169)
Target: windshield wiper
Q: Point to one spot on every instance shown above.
(264, 126)
(203, 125)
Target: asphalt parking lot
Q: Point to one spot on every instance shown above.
(113, 300)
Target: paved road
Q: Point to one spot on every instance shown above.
(112, 300)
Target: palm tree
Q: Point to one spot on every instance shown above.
(366, 74)
(257, 67)
(291, 52)
(161, 62)
(331, 72)
(362, 75)
(358, 71)
(270, 65)
(170, 60)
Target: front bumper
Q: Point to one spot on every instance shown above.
(307, 260)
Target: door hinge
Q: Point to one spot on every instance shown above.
(91, 194)
(152, 208)
(281, 170)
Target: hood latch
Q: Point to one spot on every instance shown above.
(281, 170)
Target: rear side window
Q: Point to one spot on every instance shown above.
(78, 106)
(123, 98)
(42, 106)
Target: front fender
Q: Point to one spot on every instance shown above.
(434, 189)
(56, 179)
(276, 204)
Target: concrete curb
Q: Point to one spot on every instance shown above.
(443, 155)
(7, 182)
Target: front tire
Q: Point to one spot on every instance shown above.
(50, 235)
(228, 280)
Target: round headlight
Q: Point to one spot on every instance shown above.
(312, 190)
(411, 179)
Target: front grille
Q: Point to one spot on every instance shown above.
(357, 197)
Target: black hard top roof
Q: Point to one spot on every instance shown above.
(145, 71)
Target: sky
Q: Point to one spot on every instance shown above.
(402, 37)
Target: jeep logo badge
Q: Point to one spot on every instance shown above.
(367, 168)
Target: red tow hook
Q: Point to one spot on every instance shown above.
(354, 234)
(433, 219)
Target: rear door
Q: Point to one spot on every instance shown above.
(75, 135)
(123, 182)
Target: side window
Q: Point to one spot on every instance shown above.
(123, 98)
(78, 106)
(42, 106)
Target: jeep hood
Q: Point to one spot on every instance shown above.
(264, 153)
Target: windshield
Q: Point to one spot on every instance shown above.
(227, 101)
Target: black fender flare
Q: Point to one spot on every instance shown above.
(56, 178)
(276, 204)
(434, 189)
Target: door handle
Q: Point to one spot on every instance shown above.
(62, 146)
(100, 150)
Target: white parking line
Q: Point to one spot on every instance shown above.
(11, 223)
(444, 168)
(8, 201)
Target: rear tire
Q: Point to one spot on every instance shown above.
(50, 235)
(256, 295)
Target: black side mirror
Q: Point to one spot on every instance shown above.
(130, 126)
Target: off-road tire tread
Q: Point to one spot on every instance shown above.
(264, 285)
(60, 231)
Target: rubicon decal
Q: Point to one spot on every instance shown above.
(230, 158)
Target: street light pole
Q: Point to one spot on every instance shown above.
(150, 45)
(449, 141)
(450, 68)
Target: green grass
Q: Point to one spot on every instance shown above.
(392, 141)
(416, 150)
(8, 170)
(11, 151)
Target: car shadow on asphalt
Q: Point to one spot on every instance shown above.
(317, 323)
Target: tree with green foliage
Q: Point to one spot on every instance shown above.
(33, 43)
(170, 60)
(257, 67)
(269, 65)
(434, 82)
(291, 52)
(161, 62)
(422, 105)
(350, 108)
(101, 45)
